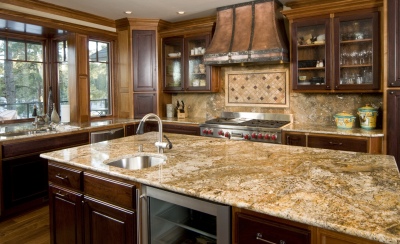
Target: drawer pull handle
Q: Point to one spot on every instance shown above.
(59, 176)
(259, 237)
(61, 195)
(336, 143)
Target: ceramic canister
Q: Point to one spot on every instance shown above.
(368, 115)
(344, 120)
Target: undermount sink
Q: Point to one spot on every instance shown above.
(23, 133)
(138, 162)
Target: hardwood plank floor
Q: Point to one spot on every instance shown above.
(30, 228)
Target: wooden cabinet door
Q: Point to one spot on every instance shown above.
(394, 43)
(294, 139)
(130, 130)
(107, 223)
(182, 129)
(24, 183)
(144, 103)
(144, 60)
(66, 219)
(393, 124)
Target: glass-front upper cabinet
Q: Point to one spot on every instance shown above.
(311, 54)
(196, 72)
(173, 54)
(357, 41)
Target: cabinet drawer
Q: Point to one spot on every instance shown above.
(344, 144)
(113, 191)
(64, 176)
(294, 139)
(256, 230)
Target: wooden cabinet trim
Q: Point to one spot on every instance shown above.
(65, 176)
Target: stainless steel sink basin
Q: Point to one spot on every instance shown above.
(22, 133)
(138, 162)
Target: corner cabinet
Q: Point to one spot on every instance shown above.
(336, 53)
(183, 65)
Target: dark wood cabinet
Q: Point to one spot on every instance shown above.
(174, 128)
(337, 52)
(107, 223)
(294, 139)
(66, 215)
(144, 103)
(393, 43)
(88, 207)
(393, 124)
(144, 60)
(24, 183)
(251, 227)
(334, 142)
(130, 130)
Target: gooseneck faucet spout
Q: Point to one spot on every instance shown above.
(159, 144)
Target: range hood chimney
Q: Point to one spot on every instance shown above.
(247, 33)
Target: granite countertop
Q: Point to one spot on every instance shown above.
(353, 193)
(333, 130)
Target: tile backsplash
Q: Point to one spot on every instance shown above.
(306, 108)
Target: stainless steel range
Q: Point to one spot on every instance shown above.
(259, 127)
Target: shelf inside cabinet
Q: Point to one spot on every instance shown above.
(356, 41)
(312, 68)
(201, 226)
(311, 45)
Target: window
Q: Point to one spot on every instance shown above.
(62, 72)
(21, 78)
(99, 70)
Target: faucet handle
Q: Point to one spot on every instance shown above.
(169, 144)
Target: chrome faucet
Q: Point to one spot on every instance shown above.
(159, 144)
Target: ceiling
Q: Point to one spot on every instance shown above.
(153, 9)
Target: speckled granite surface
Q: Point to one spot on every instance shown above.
(333, 130)
(353, 193)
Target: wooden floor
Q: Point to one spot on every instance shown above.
(32, 228)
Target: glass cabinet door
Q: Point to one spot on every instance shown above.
(197, 74)
(357, 54)
(311, 54)
(173, 54)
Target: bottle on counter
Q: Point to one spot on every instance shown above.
(55, 118)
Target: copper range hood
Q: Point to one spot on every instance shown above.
(248, 33)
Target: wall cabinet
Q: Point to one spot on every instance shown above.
(393, 43)
(144, 60)
(344, 143)
(144, 103)
(90, 208)
(183, 65)
(339, 53)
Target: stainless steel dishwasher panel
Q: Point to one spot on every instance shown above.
(106, 135)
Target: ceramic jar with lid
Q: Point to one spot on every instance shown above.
(344, 120)
(368, 115)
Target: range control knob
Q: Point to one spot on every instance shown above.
(267, 136)
(205, 131)
(221, 132)
(260, 136)
(210, 131)
(254, 135)
(274, 137)
(247, 137)
(227, 135)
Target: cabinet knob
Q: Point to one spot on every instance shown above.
(391, 93)
(328, 87)
(392, 83)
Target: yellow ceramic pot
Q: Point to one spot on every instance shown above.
(368, 115)
(344, 120)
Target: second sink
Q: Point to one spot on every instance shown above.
(138, 162)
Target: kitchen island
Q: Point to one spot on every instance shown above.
(353, 193)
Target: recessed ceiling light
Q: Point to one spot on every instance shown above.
(128, 12)
(180, 12)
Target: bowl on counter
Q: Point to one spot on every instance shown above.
(344, 120)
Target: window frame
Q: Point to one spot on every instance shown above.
(26, 38)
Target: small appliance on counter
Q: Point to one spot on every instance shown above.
(368, 115)
(344, 120)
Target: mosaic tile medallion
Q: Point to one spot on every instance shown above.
(269, 88)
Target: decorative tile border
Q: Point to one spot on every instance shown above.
(269, 88)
